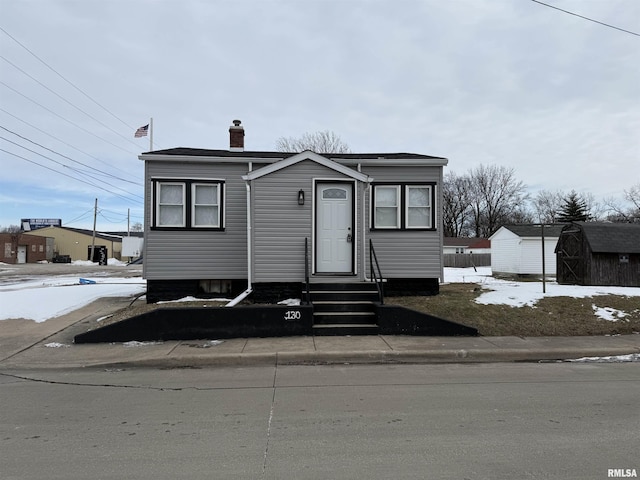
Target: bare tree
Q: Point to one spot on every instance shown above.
(633, 196)
(498, 198)
(456, 193)
(619, 212)
(10, 229)
(546, 205)
(320, 142)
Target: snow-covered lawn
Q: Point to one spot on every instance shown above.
(42, 298)
(518, 294)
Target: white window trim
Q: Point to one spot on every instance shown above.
(398, 208)
(188, 196)
(429, 207)
(194, 204)
(159, 185)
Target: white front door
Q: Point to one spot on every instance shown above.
(334, 229)
(22, 254)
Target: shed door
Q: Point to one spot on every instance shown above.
(334, 229)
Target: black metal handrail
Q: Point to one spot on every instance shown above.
(306, 270)
(376, 273)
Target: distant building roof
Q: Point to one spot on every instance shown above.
(468, 242)
(113, 236)
(457, 241)
(480, 243)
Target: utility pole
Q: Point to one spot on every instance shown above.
(128, 222)
(93, 239)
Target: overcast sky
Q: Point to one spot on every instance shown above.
(505, 82)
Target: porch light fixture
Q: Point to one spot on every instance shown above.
(301, 197)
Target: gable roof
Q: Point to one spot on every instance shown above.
(200, 154)
(307, 155)
(611, 237)
(535, 231)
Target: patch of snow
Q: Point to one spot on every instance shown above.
(195, 299)
(135, 343)
(56, 345)
(291, 302)
(632, 357)
(608, 313)
(40, 299)
(519, 294)
(212, 343)
(116, 263)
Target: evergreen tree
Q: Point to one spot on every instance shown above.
(574, 209)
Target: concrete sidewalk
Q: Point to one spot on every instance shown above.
(25, 344)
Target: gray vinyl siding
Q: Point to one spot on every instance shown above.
(280, 225)
(201, 255)
(407, 253)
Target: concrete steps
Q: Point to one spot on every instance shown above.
(344, 309)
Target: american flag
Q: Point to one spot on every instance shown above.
(142, 131)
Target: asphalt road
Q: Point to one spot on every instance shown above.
(486, 421)
(25, 271)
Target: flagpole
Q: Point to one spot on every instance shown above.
(151, 134)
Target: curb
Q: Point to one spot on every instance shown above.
(362, 357)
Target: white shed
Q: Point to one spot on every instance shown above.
(517, 250)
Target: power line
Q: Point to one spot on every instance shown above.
(79, 172)
(69, 158)
(56, 138)
(80, 217)
(66, 175)
(66, 120)
(66, 80)
(66, 101)
(587, 18)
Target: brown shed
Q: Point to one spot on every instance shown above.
(598, 253)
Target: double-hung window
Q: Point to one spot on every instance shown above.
(206, 205)
(188, 204)
(387, 206)
(170, 206)
(418, 206)
(403, 206)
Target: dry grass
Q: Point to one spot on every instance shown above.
(553, 316)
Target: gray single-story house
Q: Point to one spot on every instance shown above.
(599, 253)
(236, 222)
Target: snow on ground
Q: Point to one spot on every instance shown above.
(518, 294)
(41, 298)
(195, 299)
(632, 357)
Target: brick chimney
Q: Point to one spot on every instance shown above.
(236, 137)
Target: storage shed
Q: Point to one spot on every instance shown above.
(517, 249)
(598, 253)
